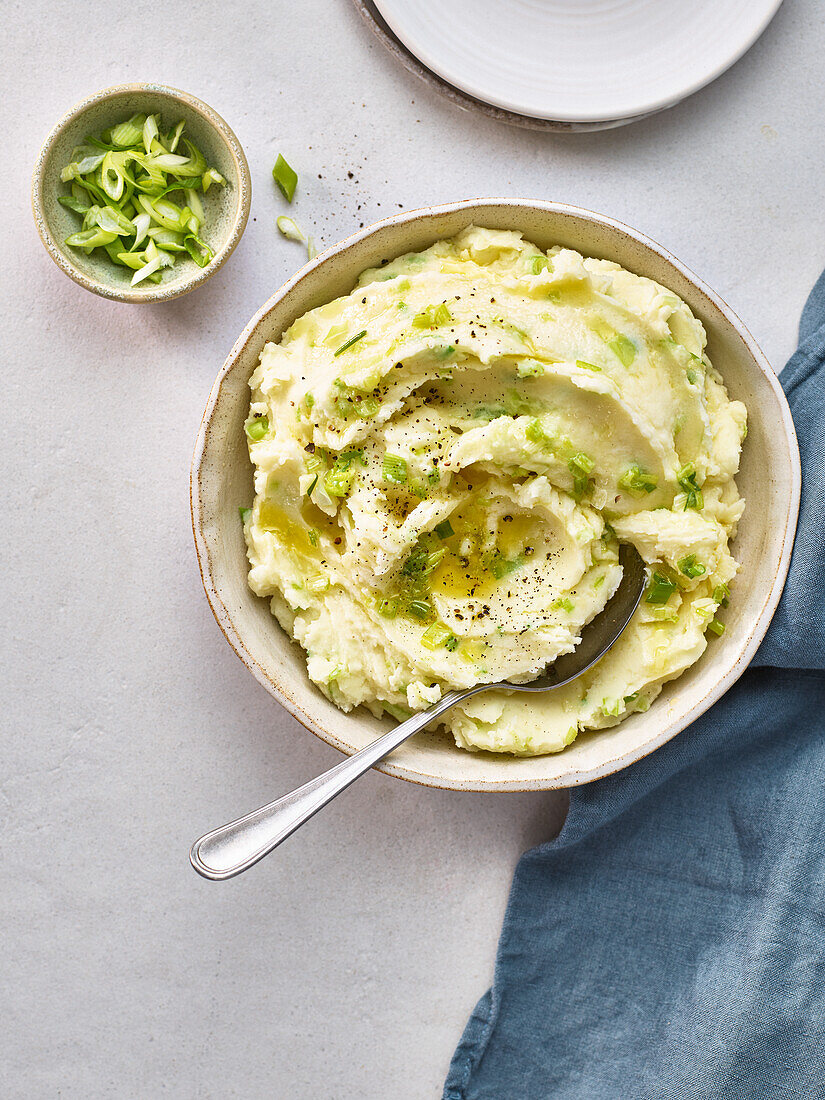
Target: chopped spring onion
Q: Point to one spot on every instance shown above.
(721, 594)
(210, 176)
(444, 530)
(623, 348)
(338, 481)
(286, 178)
(717, 627)
(352, 340)
(256, 429)
(691, 567)
(564, 604)
(388, 608)
(637, 480)
(529, 369)
(502, 567)
(437, 635)
(122, 192)
(581, 463)
(581, 466)
(690, 487)
(582, 364)
(245, 513)
(535, 433)
(433, 317)
(289, 229)
(538, 264)
(128, 133)
(200, 252)
(316, 584)
(73, 203)
(394, 469)
(665, 615)
(660, 589)
(420, 609)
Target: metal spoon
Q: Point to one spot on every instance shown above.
(232, 848)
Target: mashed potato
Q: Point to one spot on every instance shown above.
(446, 461)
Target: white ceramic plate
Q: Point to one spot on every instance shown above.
(578, 60)
(769, 479)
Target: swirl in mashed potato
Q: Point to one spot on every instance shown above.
(446, 461)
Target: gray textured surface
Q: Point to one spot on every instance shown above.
(345, 966)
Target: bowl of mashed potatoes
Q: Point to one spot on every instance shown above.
(438, 434)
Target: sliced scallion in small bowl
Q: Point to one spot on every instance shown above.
(138, 189)
(110, 125)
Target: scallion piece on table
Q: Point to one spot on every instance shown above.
(122, 183)
(288, 228)
(286, 178)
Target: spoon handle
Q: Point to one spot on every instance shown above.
(232, 848)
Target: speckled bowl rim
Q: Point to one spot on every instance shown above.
(160, 293)
(761, 617)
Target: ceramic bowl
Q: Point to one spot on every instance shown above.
(769, 480)
(227, 207)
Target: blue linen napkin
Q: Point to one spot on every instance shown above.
(671, 941)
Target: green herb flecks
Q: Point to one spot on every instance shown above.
(691, 567)
(394, 469)
(433, 317)
(257, 428)
(636, 480)
(721, 595)
(349, 343)
(623, 348)
(437, 635)
(686, 479)
(660, 589)
(581, 466)
(339, 479)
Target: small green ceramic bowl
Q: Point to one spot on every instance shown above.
(227, 208)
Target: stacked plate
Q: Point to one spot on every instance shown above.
(568, 64)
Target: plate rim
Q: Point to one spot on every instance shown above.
(461, 99)
(587, 117)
